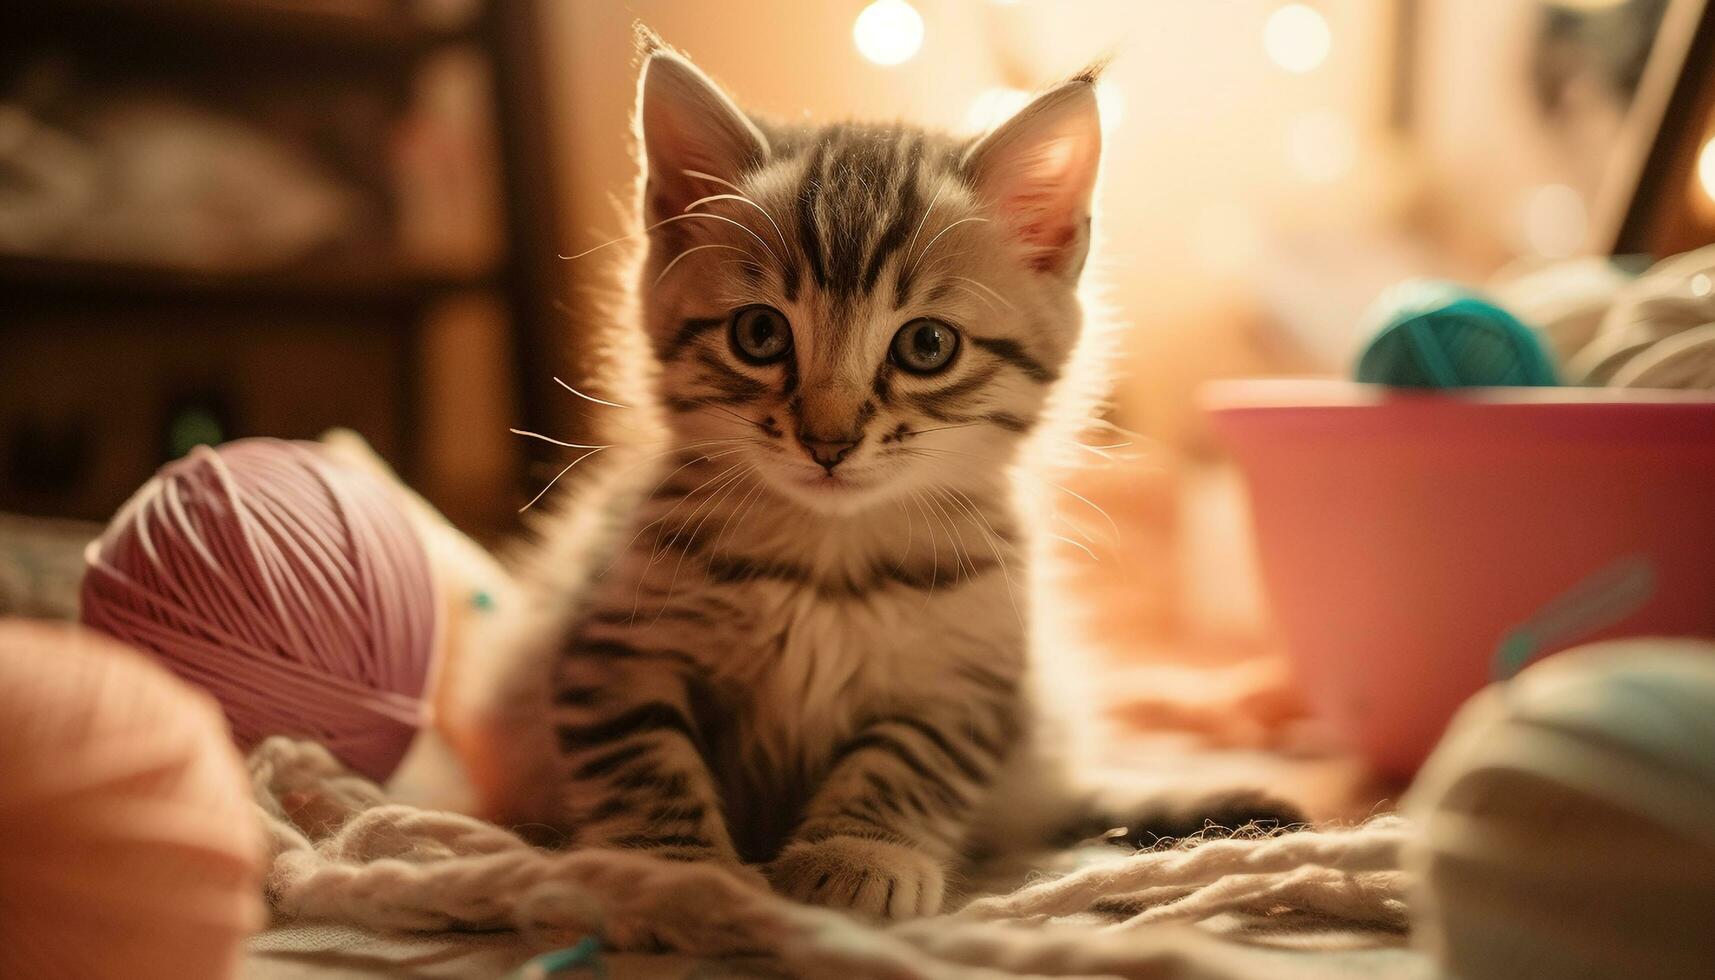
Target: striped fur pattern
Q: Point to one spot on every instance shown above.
(806, 645)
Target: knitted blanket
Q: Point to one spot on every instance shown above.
(359, 883)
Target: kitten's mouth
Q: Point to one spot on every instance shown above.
(836, 482)
(841, 491)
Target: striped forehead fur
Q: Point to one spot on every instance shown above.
(860, 195)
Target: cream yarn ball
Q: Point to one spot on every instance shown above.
(1568, 821)
(129, 844)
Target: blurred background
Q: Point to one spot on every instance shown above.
(222, 218)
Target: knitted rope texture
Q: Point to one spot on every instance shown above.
(342, 853)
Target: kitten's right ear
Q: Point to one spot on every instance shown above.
(689, 126)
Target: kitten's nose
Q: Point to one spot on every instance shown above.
(828, 453)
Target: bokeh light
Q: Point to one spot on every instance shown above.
(1297, 38)
(888, 32)
(1706, 168)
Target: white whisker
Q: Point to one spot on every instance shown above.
(538, 435)
(943, 231)
(680, 217)
(714, 502)
(737, 516)
(655, 548)
(1114, 526)
(721, 217)
(544, 491)
(700, 175)
(696, 458)
(923, 220)
(1076, 544)
(934, 546)
(743, 200)
(987, 289)
(910, 526)
(589, 398)
(940, 428)
(681, 257)
(1095, 451)
(588, 251)
(961, 552)
(1077, 527)
(994, 542)
(985, 299)
(737, 415)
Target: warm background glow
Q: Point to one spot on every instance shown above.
(1260, 182)
(387, 263)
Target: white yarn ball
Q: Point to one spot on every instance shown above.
(1568, 821)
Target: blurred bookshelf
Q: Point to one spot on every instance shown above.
(320, 30)
(225, 218)
(78, 280)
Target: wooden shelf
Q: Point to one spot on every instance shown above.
(62, 280)
(233, 28)
(278, 61)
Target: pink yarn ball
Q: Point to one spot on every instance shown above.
(293, 589)
(129, 845)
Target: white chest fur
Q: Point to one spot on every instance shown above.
(815, 667)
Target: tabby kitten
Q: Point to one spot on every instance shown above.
(808, 647)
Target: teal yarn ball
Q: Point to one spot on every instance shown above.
(1438, 335)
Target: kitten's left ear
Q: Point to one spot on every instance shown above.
(689, 124)
(1038, 172)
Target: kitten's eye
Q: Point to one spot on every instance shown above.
(925, 346)
(760, 334)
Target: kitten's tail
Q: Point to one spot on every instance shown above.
(1150, 822)
(1037, 806)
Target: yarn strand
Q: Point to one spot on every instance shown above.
(343, 853)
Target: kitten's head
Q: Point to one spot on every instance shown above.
(859, 311)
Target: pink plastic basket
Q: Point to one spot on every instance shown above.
(1403, 536)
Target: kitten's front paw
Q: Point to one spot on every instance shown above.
(873, 877)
